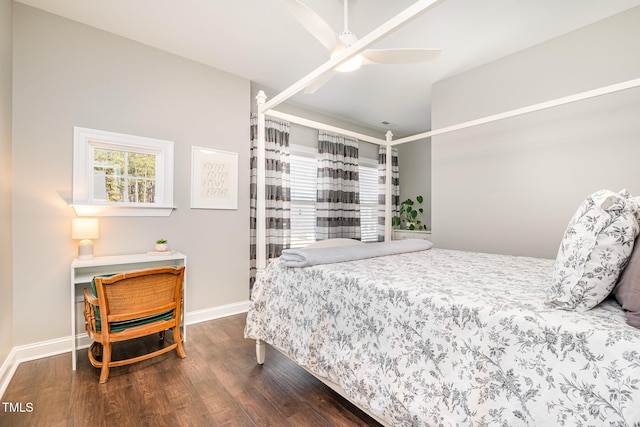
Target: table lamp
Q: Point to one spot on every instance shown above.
(85, 229)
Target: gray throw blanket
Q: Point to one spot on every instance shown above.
(327, 255)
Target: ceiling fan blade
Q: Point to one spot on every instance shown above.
(320, 81)
(399, 56)
(313, 23)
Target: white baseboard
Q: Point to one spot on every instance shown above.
(25, 353)
(198, 316)
(7, 370)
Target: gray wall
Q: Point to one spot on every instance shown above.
(66, 75)
(512, 186)
(414, 161)
(6, 282)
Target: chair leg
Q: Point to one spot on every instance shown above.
(177, 338)
(106, 360)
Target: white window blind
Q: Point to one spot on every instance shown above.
(304, 183)
(368, 202)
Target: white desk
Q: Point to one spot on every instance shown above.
(83, 271)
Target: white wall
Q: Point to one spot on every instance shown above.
(6, 283)
(67, 74)
(512, 186)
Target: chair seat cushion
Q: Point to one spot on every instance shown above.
(125, 324)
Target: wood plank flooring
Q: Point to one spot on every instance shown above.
(219, 383)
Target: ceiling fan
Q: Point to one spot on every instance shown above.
(335, 43)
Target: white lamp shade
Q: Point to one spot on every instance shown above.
(84, 228)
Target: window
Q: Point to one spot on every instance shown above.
(117, 174)
(123, 176)
(303, 167)
(368, 173)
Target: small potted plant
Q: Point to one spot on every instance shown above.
(409, 215)
(161, 246)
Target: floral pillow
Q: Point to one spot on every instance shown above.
(627, 291)
(595, 248)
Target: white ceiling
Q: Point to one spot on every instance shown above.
(259, 40)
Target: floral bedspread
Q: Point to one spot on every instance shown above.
(453, 338)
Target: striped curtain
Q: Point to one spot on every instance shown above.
(277, 189)
(382, 182)
(338, 201)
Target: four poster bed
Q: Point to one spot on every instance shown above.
(419, 336)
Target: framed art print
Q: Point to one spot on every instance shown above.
(214, 179)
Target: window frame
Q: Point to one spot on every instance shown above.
(85, 140)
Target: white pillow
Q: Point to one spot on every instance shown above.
(339, 241)
(594, 249)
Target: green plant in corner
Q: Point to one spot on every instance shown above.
(409, 215)
(161, 241)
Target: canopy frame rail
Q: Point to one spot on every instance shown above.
(323, 126)
(605, 90)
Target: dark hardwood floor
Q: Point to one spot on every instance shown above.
(219, 383)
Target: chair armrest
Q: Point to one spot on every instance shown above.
(90, 298)
(90, 305)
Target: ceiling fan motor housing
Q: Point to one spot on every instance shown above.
(347, 37)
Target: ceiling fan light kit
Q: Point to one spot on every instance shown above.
(336, 43)
(350, 64)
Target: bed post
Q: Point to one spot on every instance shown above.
(261, 233)
(260, 351)
(388, 189)
(261, 226)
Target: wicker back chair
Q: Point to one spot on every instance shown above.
(131, 305)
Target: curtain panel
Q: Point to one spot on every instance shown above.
(277, 189)
(382, 190)
(338, 194)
